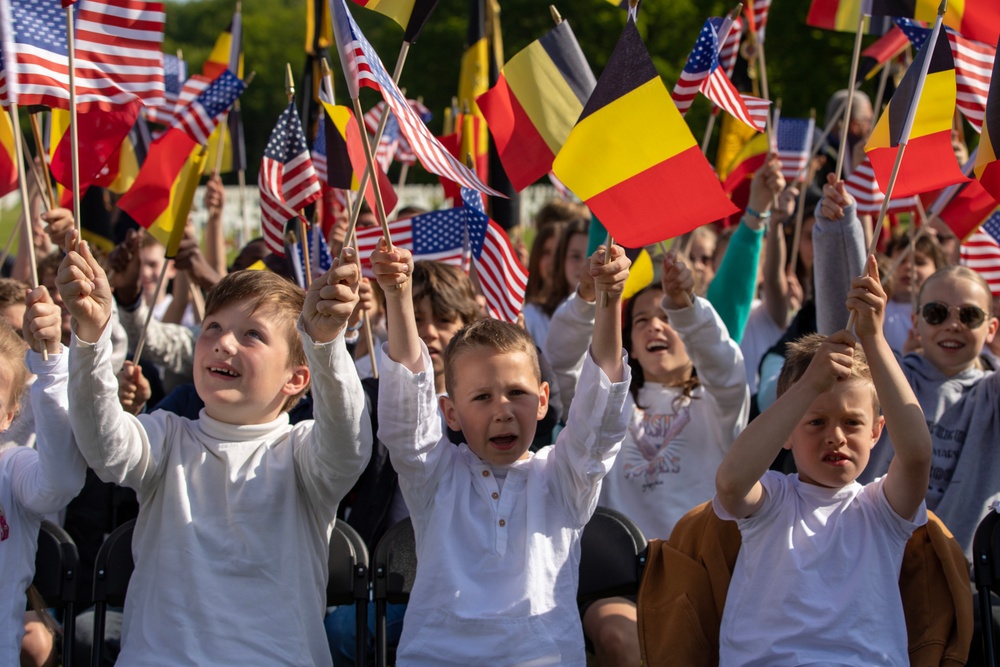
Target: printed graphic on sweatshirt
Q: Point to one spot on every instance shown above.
(4, 528)
(655, 453)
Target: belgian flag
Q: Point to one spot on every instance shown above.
(631, 152)
(929, 161)
(987, 168)
(8, 159)
(411, 15)
(975, 19)
(227, 54)
(345, 156)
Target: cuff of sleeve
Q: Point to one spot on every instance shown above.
(37, 365)
(387, 366)
(581, 308)
(105, 336)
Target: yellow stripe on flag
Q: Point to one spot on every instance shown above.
(934, 111)
(341, 116)
(640, 275)
(7, 136)
(168, 228)
(58, 126)
(398, 10)
(227, 149)
(987, 153)
(617, 142)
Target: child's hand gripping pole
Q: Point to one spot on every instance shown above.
(677, 281)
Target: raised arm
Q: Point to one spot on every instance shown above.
(215, 242)
(737, 482)
(609, 278)
(909, 472)
(777, 290)
(394, 272)
(839, 244)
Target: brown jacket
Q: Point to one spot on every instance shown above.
(684, 587)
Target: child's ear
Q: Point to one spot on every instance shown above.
(450, 413)
(991, 330)
(543, 400)
(298, 381)
(877, 429)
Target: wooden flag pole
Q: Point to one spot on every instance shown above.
(370, 169)
(22, 184)
(800, 209)
(850, 95)
(29, 161)
(140, 343)
(40, 149)
(73, 138)
(244, 214)
(904, 138)
(883, 79)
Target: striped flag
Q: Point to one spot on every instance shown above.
(362, 67)
(795, 137)
(501, 276)
(438, 236)
(174, 75)
(287, 179)
(981, 252)
(320, 259)
(388, 144)
(118, 55)
(757, 10)
(973, 69)
(199, 118)
(318, 152)
(861, 185)
(730, 50)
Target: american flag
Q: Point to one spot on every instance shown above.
(174, 75)
(501, 275)
(320, 260)
(973, 68)
(385, 152)
(362, 67)
(118, 56)
(438, 236)
(318, 151)
(759, 10)
(730, 50)
(795, 137)
(981, 252)
(287, 179)
(703, 73)
(861, 185)
(199, 118)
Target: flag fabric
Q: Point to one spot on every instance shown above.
(733, 138)
(388, 143)
(343, 138)
(227, 53)
(404, 152)
(174, 75)
(200, 116)
(118, 57)
(795, 137)
(641, 164)
(287, 180)
(702, 73)
(987, 169)
(320, 259)
(929, 161)
(473, 81)
(884, 49)
(973, 68)
(437, 236)
(411, 15)
(362, 66)
(968, 208)
(756, 12)
(839, 15)
(100, 134)
(160, 199)
(8, 159)
(122, 169)
(501, 276)
(975, 19)
(981, 252)
(729, 52)
(861, 185)
(535, 102)
(234, 154)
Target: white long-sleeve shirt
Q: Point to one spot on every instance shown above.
(33, 483)
(231, 543)
(498, 565)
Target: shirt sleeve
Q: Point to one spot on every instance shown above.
(585, 450)
(735, 284)
(45, 482)
(840, 257)
(776, 486)
(573, 324)
(332, 451)
(900, 528)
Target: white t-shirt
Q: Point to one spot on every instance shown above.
(816, 581)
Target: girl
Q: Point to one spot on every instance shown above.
(33, 483)
(571, 255)
(912, 268)
(541, 274)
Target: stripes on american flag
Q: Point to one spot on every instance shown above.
(973, 69)
(174, 75)
(981, 252)
(385, 151)
(730, 50)
(760, 9)
(318, 152)
(438, 236)
(118, 56)
(501, 276)
(700, 62)
(287, 179)
(320, 259)
(861, 185)
(795, 137)
(199, 118)
(362, 67)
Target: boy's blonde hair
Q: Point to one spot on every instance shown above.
(799, 354)
(268, 291)
(494, 336)
(12, 354)
(12, 292)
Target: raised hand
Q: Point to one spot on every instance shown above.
(832, 363)
(866, 301)
(835, 199)
(677, 282)
(608, 277)
(393, 269)
(332, 298)
(133, 388)
(85, 290)
(42, 322)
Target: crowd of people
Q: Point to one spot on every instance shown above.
(826, 401)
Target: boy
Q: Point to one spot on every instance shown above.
(816, 580)
(497, 528)
(236, 507)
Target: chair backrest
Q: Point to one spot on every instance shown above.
(985, 547)
(348, 567)
(394, 564)
(56, 564)
(113, 566)
(612, 555)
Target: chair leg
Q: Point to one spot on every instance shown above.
(100, 609)
(361, 634)
(986, 623)
(381, 648)
(69, 634)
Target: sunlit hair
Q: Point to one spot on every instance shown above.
(959, 272)
(12, 354)
(267, 292)
(492, 336)
(560, 288)
(799, 354)
(559, 210)
(534, 291)
(451, 291)
(11, 292)
(925, 244)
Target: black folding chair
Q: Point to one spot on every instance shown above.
(112, 572)
(394, 567)
(348, 581)
(986, 575)
(56, 565)
(612, 556)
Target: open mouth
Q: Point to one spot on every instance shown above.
(223, 371)
(657, 346)
(951, 344)
(835, 459)
(505, 441)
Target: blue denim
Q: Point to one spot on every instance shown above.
(340, 625)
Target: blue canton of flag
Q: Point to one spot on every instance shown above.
(992, 226)
(916, 33)
(40, 24)
(319, 150)
(438, 232)
(704, 58)
(174, 74)
(476, 219)
(320, 260)
(795, 137)
(981, 252)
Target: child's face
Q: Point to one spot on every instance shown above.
(576, 257)
(654, 344)
(436, 332)
(952, 346)
(546, 261)
(241, 366)
(497, 403)
(833, 440)
(151, 262)
(14, 315)
(903, 288)
(7, 408)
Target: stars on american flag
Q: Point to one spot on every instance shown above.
(40, 23)
(705, 54)
(438, 232)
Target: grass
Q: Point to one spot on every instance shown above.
(8, 220)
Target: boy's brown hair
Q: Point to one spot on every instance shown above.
(264, 290)
(799, 354)
(494, 336)
(451, 291)
(925, 244)
(12, 350)
(11, 292)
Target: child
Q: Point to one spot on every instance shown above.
(911, 270)
(497, 527)
(235, 507)
(816, 579)
(33, 483)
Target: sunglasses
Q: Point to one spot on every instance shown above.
(935, 313)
